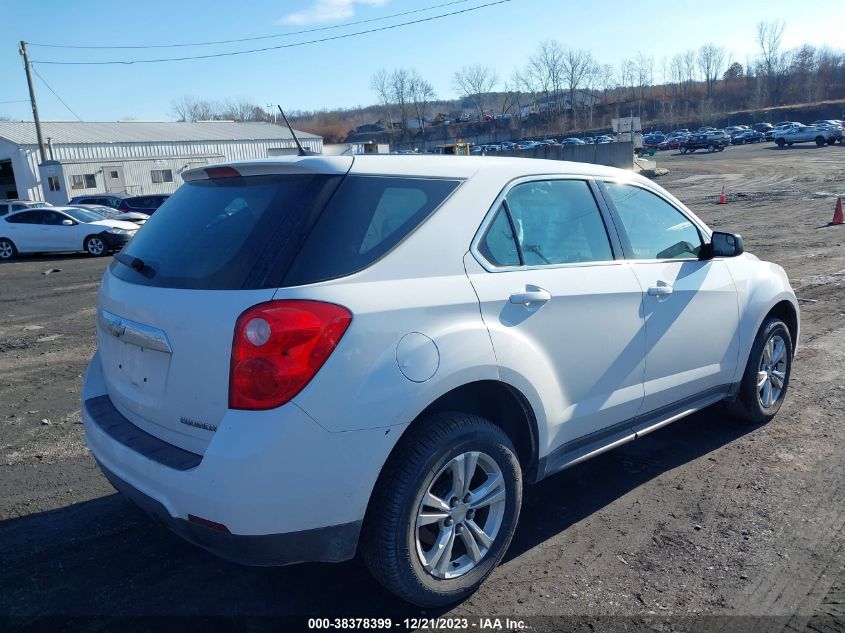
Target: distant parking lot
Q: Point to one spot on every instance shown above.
(703, 517)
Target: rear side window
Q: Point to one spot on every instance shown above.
(228, 233)
(366, 218)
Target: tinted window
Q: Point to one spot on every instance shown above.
(366, 218)
(51, 217)
(4, 209)
(27, 217)
(229, 233)
(498, 245)
(655, 228)
(558, 222)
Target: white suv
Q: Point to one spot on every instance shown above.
(303, 357)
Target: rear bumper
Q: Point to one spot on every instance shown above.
(329, 544)
(286, 490)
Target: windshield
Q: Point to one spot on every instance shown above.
(83, 215)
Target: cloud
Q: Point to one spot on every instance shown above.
(328, 11)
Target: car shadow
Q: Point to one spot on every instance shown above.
(105, 558)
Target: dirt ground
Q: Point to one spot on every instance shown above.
(703, 518)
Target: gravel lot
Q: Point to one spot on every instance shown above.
(705, 517)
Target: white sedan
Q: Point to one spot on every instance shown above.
(61, 229)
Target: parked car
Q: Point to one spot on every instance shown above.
(572, 141)
(253, 360)
(604, 139)
(713, 141)
(7, 206)
(833, 125)
(746, 136)
(652, 141)
(141, 204)
(61, 229)
(672, 142)
(113, 214)
(798, 133)
(761, 127)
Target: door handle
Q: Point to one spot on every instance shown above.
(531, 297)
(662, 289)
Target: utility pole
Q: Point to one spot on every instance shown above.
(35, 116)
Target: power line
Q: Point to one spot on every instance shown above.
(54, 92)
(261, 37)
(272, 48)
(16, 101)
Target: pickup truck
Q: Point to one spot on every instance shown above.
(711, 141)
(797, 133)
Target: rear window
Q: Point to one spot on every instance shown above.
(268, 231)
(227, 233)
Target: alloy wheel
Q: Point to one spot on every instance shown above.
(771, 375)
(96, 246)
(6, 250)
(460, 515)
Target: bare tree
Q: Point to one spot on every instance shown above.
(380, 83)
(474, 83)
(189, 109)
(576, 64)
(769, 36)
(421, 93)
(606, 80)
(400, 93)
(711, 61)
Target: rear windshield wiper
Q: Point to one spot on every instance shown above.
(135, 263)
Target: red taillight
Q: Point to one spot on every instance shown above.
(222, 172)
(279, 346)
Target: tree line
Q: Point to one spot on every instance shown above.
(571, 90)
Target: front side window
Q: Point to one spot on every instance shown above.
(554, 221)
(655, 228)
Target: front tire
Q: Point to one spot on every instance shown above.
(7, 250)
(444, 510)
(766, 378)
(95, 246)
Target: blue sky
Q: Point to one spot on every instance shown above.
(338, 73)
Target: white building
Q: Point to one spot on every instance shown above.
(127, 157)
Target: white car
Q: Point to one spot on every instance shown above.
(61, 229)
(303, 357)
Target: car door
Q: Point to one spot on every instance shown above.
(691, 306)
(564, 314)
(23, 229)
(58, 235)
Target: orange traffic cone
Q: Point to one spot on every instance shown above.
(722, 198)
(837, 212)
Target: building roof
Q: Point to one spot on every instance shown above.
(73, 132)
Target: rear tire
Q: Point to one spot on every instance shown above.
(7, 250)
(780, 142)
(95, 246)
(394, 541)
(768, 365)
(711, 148)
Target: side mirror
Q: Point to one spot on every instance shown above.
(68, 222)
(723, 245)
